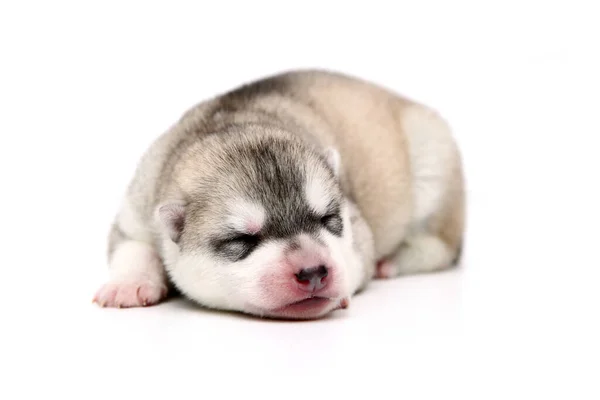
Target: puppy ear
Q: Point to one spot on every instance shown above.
(172, 217)
(333, 159)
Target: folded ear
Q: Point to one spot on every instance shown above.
(333, 159)
(172, 217)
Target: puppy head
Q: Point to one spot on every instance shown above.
(265, 231)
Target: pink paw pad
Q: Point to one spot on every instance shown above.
(130, 294)
(386, 269)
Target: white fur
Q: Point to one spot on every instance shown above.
(137, 277)
(246, 214)
(344, 255)
(333, 159)
(133, 260)
(431, 151)
(169, 250)
(131, 224)
(316, 191)
(423, 253)
(240, 286)
(211, 282)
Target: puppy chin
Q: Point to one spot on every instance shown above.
(307, 309)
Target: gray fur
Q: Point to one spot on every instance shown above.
(249, 150)
(249, 145)
(257, 142)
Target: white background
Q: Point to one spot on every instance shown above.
(85, 87)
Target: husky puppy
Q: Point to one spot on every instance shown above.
(284, 197)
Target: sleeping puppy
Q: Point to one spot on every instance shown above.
(286, 196)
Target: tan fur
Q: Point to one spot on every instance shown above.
(373, 152)
(400, 167)
(364, 122)
(449, 222)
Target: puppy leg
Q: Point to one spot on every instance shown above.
(418, 254)
(435, 245)
(137, 276)
(435, 238)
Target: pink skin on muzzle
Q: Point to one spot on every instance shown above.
(305, 284)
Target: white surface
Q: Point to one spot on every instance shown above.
(84, 89)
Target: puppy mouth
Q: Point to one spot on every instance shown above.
(314, 300)
(307, 308)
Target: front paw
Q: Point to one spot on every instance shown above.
(130, 294)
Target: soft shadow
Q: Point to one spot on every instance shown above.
(183, 304)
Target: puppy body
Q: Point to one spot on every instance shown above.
(302, 140)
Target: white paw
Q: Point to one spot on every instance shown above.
(130, 294)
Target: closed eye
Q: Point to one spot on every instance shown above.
(333, 223)
(246, 239)
(327, 219)
(238, 247)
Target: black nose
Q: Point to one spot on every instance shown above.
(312, 278)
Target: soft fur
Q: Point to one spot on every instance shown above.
(320, 168)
